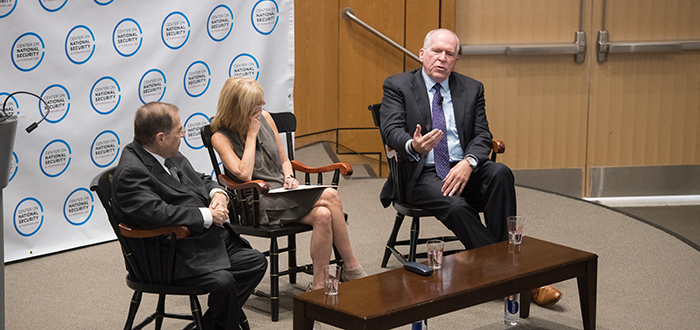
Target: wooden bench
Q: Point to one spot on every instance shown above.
(397, 297)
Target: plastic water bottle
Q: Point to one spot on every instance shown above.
(512, 309)
(418, 325)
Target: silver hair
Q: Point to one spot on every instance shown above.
(429, 39)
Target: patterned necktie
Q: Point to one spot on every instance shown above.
(440, 154)
(173, 170)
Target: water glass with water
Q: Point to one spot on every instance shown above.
(436, 248)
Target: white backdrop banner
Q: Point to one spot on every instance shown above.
(94, 62)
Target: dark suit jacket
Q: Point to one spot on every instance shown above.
(405, 104)
(147, 196)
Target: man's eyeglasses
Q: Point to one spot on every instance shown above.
(180, 131)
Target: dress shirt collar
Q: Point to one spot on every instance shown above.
(429, 83)
(159, 158)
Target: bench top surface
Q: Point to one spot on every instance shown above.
(472, 271)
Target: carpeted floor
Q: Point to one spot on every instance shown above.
(647, 277)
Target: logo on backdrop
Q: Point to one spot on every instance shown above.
(175, 30)
(55, 158)
(193, 125)
(220, 23)
(264, 16)
(105, 148)
(244, 65)
(14, 165)
(103, 3)
(127, 37)
(28, 52)
(78, 207)
(52, 5)
(58, 100)
(105, 95)
(197, 79)
(11, 106)
(80, 44)
(28, 217)
(7, 7)
(152, 86)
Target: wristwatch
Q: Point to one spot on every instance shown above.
(472, 161)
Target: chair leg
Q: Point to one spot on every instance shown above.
(133, 308)
(292, 255)
(391, 243)
(415, 229)
(160, 310)
(274, 280)
(338, 257)
(196, 311)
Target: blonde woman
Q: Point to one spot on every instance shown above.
(250, 147)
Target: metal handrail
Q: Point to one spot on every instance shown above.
(606, 47)
(348, 14)
(577, 48)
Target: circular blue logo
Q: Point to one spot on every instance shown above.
(103, 3)
(52, 5)
(55, 158)
(105, 148)
(28, 216)
(175, 30)
(152, 86)
(127, 37)
(197, 79)
(58, 100)
(105, 95)
(28, 52)
(193, 126)
(80, 44)
(244, 65)
(7, 7)
(11, 107)
(264, 16)
(220, 23)
(78, 207)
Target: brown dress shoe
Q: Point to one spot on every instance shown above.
(546, 296)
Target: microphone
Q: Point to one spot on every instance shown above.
(440, 99)
(34, 125)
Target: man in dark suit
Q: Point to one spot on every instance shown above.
(436, 119)
(154, 185)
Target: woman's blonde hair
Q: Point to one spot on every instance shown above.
(237, 99)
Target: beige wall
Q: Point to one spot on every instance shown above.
(633, 110)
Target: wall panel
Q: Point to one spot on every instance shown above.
(644, 106)
(316, 65)
(365, 61)
(537, 104)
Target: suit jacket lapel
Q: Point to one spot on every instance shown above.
(159, 172)
(458, 105)
(421, 97)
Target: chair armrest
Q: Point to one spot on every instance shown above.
(498, 146)
(134, 232)
(259, 185)
(345, 169)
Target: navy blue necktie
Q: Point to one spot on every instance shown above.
(441, 155)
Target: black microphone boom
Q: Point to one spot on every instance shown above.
(34, 125)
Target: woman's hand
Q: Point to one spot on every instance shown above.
(254, 121)
(290, 182)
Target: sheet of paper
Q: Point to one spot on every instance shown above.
(301, 187)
